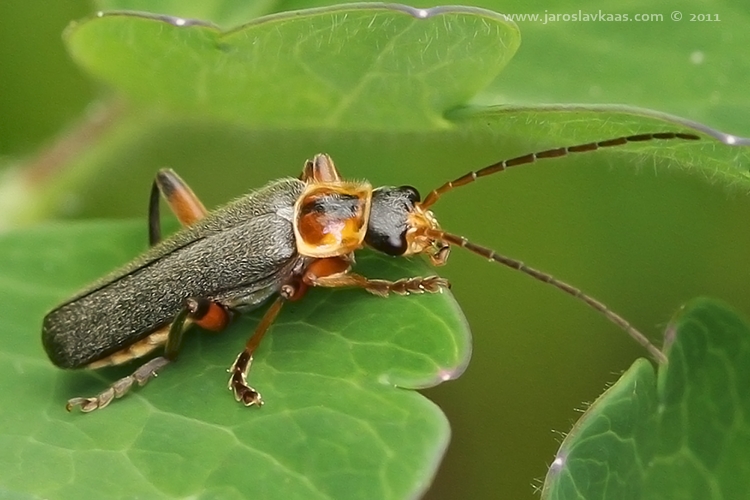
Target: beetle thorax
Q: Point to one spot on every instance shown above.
(330, 218)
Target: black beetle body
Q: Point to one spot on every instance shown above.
(278, 241)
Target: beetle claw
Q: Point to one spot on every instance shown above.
(243, 393)
(86, 404)
(247, 395)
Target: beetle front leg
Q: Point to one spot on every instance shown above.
(180, 198)
(198, 310)
(334, 273)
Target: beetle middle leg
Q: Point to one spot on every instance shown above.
(238, 378)
(197, 310)
(180, 198)
(293, 290)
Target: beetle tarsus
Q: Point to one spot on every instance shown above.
(382, 288)
(243, 393)
(415, 285)
(143, 374)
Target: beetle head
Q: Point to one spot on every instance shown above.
(402, 224)
(398, 225)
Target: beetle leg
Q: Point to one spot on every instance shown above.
(334, 273)
(404, 286)
(238, 378)
(142, 375)
(181, 199)
(198, 310)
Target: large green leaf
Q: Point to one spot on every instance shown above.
(224, 13)
(684, 435)
(316, 69)
(336, 423)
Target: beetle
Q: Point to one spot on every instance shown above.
(274, 243)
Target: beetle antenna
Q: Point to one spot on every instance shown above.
(490, 254)
(550, 153)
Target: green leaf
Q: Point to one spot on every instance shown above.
(336, 423)
(225, 13)
(683, 435)
(688, 67)
(312, 69)
(728, 163)
(320, 68)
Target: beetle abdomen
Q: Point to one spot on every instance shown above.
(242, 261)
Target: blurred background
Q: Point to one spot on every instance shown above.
(641, 239)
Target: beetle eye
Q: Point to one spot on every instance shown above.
(411, 193)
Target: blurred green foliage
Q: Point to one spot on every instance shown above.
(642, 239)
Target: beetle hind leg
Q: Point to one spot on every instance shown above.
(201, 311)
(180, 198)
(143, 374)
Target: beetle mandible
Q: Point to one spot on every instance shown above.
(290, 235)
